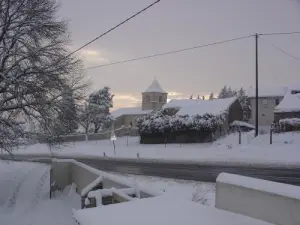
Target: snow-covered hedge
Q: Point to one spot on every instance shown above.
(159, 122)
(289, 124)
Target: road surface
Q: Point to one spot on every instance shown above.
(188, 170)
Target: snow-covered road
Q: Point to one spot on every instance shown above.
(24, 196)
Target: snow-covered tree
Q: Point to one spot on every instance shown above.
(35, 67)
(245, 103)
(85, 117)
(230, 92)
(100, 102)
(223, 92)
(211, 96)
(68, 115)
(227, 92)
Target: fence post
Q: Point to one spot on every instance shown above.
(271, 136)
(240, 137)
(50, 194)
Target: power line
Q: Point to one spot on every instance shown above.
(168, 53)
(280, 33)
(116, 26)
(280, 49)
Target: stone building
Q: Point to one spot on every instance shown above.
(153, 98)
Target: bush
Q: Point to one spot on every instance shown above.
(289, 124)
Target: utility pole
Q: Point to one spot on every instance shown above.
(256, 85)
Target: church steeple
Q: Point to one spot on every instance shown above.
(154, 97)
(154, 87)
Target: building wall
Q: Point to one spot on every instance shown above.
(153, 101)
(266, 108)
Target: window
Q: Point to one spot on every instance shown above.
(160, 99)
(147, 98)
(265, 102)
(277, 101)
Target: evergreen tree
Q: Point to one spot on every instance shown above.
(245, 103)
(223, 92)
(211, 96)
(100, 102)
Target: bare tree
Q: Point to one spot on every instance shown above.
(35, 66)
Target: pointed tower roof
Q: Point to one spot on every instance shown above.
(155, 88)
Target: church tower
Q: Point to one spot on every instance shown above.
(154, 97)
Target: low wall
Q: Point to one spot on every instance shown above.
(273, 202)
(121, 132)
(67, 171)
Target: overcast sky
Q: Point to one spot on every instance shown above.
(175, 24)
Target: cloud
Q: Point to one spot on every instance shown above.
(126, 100)
(92, 56)
(174, 93)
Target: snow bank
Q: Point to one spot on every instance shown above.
(162, 210)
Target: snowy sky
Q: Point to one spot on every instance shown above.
(174, 24)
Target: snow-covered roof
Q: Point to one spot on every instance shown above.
(267, 92)
(242, 124)
(194, 107)
(129, 111)
(179, 103)
(155, 88)
(290, 103)
(162, 210)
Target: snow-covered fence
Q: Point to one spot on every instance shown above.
(273, 202)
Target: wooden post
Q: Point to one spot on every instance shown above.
(114, 147)
(240, 137)
(50, 194)
(271, 136)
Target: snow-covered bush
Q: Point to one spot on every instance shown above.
(289, 124)
(160, 123)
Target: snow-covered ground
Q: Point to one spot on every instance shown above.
(200, 192)
(24, 197)
(284, 149)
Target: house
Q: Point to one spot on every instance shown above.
(153, 98)
(268, 99)
(289, 107)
